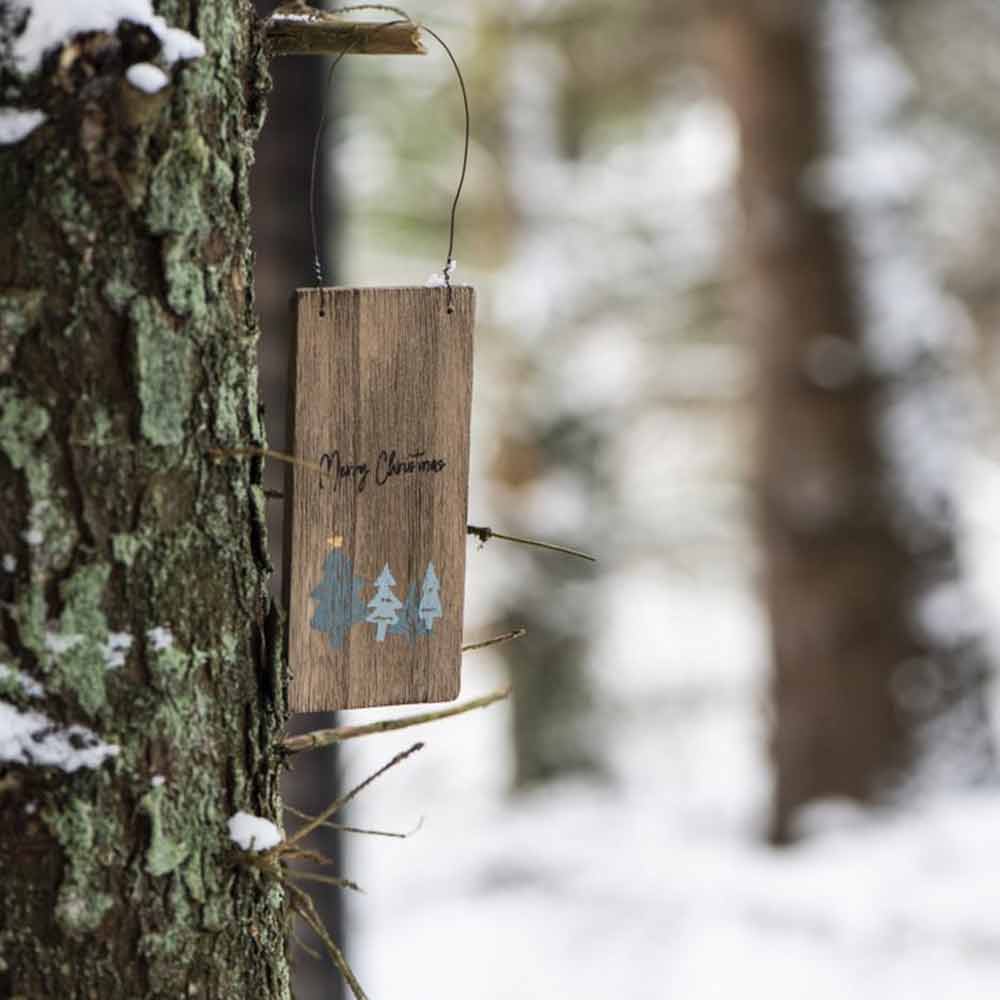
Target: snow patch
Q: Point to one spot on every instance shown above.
(161, 638)
(116, 649)
(28, 737)
(16, 124)
(146, 77)
(253, 833)
(27, 684)
(53, 22)
(178, 45)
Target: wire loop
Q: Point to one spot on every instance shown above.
(404, 18)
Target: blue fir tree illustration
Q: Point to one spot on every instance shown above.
(430, 598)
(340, 604)
(384, 606)
(410, 623)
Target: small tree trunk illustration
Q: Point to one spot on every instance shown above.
(383, 607)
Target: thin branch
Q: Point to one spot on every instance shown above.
(308, 949)
(304, 854)
(340, 828)
(298, 29)
(324, 737)
(281, 456)
(337, 883)
(303, 905)
(338, 804)
(485, 534)
(495, 641)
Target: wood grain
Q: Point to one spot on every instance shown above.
(377, 371)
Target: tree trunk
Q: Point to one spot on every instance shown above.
(847, 556)
(135, 566)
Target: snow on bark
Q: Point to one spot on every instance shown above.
(160, 638)
(116, 649)
(29, 737)
(16, 124)
(146, 77)
(50, 23)
(253, 833)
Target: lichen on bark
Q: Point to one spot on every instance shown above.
(139, 600)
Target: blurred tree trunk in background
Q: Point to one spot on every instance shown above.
(552, 697)
(847, 560)
(283, 262)
(552, 701)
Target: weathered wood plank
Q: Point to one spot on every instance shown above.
(382, 382)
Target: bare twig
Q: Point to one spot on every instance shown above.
(324, 737)
(484, 534)
(281, 456)
(339, 804)
(274, 863)
(495, 641)
(298, 29)
(308, 949)
(303, 905)
(341, 828)
(337, 883)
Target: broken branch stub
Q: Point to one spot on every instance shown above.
(302, 30)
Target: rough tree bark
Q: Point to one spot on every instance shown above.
(128, 345)
(846, 558)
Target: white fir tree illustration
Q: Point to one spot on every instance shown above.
(383, 606)
(430, 598)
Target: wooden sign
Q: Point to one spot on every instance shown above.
(377, 501)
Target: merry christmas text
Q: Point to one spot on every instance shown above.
(388, 465)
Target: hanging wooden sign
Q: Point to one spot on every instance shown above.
(376, 502)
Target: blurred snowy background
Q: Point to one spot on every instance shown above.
(605, 834)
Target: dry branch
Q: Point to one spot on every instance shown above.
(484, 534)
(495, 641)
(297, 29)
(324, 737)
(340, 827)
